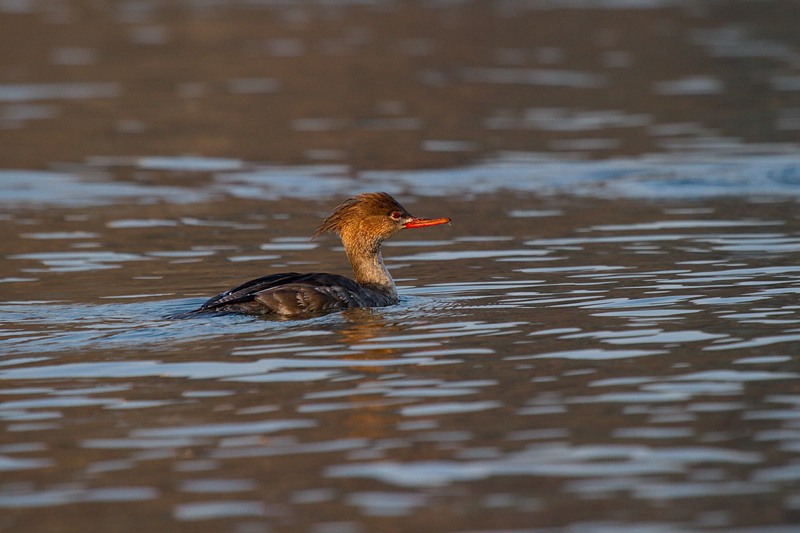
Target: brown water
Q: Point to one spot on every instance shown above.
(605, 339)
(393, 84)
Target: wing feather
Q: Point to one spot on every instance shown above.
(291, 294)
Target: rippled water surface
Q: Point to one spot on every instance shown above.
(606, 338)
(570, 361)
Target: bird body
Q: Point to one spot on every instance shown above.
(363, 223)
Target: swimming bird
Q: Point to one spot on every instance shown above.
(363, 223)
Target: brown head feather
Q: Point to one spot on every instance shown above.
(358, 208)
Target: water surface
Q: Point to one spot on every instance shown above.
(605, 339)
(562, 361)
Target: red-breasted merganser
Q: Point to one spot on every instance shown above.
(363, 223)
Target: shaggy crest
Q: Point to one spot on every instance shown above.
(358, 208)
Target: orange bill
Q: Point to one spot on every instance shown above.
(422, 222)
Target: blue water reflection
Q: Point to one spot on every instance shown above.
(579, 350)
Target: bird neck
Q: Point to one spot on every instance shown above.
(368, 267)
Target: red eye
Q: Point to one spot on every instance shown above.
(396, 215)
